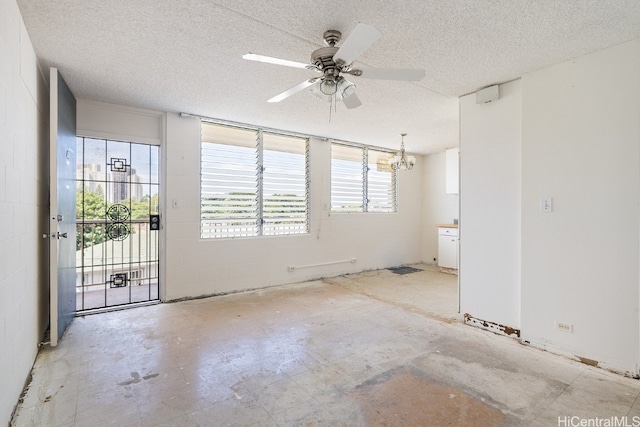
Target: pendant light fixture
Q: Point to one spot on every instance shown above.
(401, 160)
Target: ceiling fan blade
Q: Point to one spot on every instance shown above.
(277, 61)
(406, 74)
(358, 41)
(352, 101)
(297, 88)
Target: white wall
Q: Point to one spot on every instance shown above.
(490, 141)
(194, 267)
(580, 264)
(23, 216)
(119, 123)
(201, 267)
(570, 132)
(437, 206)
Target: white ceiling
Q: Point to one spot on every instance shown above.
(185, 56)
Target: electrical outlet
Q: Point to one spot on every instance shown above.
(565, 327)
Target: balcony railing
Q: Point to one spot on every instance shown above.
(115, 264)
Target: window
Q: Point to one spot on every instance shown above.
(361, 180)
(253, 183)
(347, 178)
(381, 182)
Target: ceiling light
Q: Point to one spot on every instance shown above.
(401, 160)
(345, 88)
(328, 87)
(333, 89)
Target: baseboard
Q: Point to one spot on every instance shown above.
(496, 328)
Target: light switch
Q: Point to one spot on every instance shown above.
(546, 205)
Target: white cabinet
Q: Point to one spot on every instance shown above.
(448, 247)
(452, 174)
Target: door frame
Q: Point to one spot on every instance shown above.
(160, 235)
(101, 120)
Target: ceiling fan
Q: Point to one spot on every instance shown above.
(333, 61)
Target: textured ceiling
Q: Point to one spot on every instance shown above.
(186, 56)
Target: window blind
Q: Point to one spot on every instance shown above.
(347, 178)
(361, 180)
(381, 182)
(229, 184)
(285, 189)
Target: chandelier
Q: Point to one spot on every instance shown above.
(401, 160)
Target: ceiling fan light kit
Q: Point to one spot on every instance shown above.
(334, 89)
(332, 61)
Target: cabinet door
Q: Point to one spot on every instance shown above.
(447, 251)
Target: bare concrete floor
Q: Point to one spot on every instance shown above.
(369, 349)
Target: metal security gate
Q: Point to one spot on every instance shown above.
(118, 222)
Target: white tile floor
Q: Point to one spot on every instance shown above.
(370, 349)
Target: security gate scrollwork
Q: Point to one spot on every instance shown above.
(118, 280)
(118, 229)
(118, 212)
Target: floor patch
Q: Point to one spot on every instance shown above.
(403, 270)
(403, 396)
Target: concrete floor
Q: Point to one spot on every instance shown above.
(369, 349)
